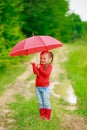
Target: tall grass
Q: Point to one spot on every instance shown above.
(26, 112)
(26, 116)
(9, 74)
(77, 72)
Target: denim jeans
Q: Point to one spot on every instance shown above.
(43, 95)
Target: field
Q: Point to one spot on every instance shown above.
(77, 73)
(18, 103)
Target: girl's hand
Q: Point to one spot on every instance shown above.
(33, 64)
(38, 66)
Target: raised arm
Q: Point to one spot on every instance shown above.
(35, 69)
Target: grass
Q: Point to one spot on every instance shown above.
(27, 116)
(77, 72)
(26, 112)
(7, 77)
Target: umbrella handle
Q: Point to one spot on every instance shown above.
(37, 59)
(32, 34)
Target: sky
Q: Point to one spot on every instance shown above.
(79, 7)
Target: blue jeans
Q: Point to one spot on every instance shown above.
(43, 95)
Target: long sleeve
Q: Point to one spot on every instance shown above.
(45, 72)
(35, 69)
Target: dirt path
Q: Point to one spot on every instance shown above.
(8, 97)
(72, 122)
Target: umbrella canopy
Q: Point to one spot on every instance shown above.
(35, 44)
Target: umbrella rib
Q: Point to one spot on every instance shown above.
(43, 42)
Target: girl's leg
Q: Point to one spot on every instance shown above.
(46, 97)
(40, 101)
(40, 97)
(43, 95)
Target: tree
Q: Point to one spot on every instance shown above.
(10, 30)
(43, 17)
(72, 28)
(75, 25)
(84, 31)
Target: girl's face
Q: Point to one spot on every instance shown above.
(44, 59)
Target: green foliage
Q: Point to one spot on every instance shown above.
(77, 72)
(84, 31)
(71, 28)
(75, 26)
(10, 22)
(43, 17)
(8, 76)
(18, 19)
(26, 115)
(10, 30)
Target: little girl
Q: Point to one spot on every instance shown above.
(43, 71)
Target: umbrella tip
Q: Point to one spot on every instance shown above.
(32, 34)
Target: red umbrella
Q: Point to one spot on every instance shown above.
(35, 44)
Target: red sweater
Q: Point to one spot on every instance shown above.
(42, 79)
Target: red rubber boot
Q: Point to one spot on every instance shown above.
(47, 114)
(42, 113)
